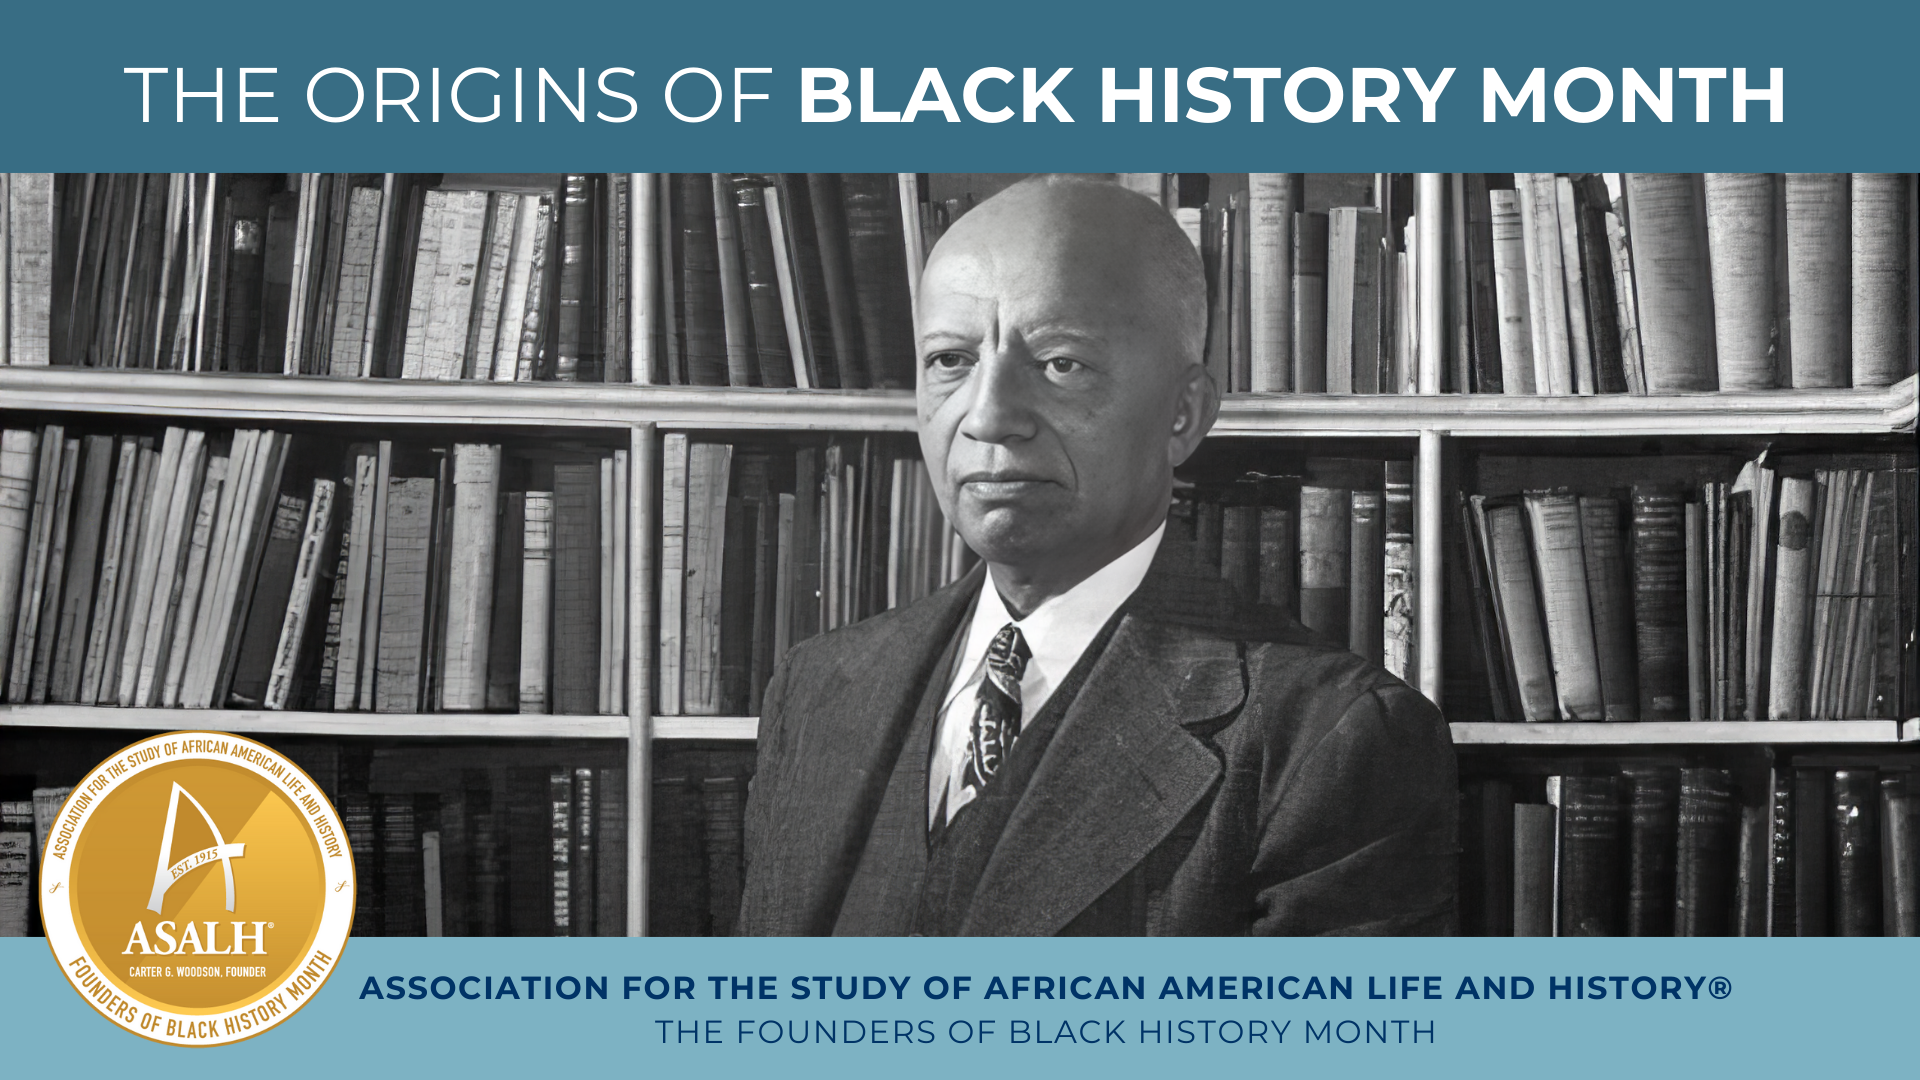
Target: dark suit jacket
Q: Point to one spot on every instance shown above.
(1221, 772)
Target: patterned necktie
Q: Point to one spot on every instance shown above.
(996, 709)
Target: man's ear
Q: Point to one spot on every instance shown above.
(1195, 407)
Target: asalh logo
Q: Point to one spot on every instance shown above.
(238, 918)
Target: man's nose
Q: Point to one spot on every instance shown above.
(1000, 405)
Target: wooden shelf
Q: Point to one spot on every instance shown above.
(386, 725)
(1766, 733)
(731, 728)
(271, 398)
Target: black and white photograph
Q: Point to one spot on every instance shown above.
(961, 554)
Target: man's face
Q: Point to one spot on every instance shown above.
(1047, 394)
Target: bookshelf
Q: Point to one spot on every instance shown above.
(1432, 425)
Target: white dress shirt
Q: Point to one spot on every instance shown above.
(1057, 632)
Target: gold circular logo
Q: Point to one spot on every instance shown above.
(197, 888)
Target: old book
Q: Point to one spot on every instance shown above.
(536, 602)
(796, 318)
(105, 680)
(531, 356)
(1217, 253)
(1366, 597)
(1592, 848)
(1510, 293)
(272, 594)
(570, 329)
(1326, 522)
(402, 643)
(1741, 243)
(1310, 238)
(1534, 831)
(472, 544)
(1672, 281)
(26, 330)
(1277, 557)
(1353, 300)
(48, 449)
(1546, 282)
(308, 575)
(1272, 201)
(1626, 303)
(191, 586)
(1781, 920)
(1521, 614)
(1795, 556)
(1700, 611)
(1819, 277)
(610, 853)
(527, 227)
(709, 466)
(702, 316)
(176, 542)
(877, 245)
(576, 591)
(1591, 203)
(673, 571)
(795, 203)
(736, 319)
(1704, 860)
(1812, 852)
(559, 876)
(1900, 853)
(402, 873)
(1559, 555)
(1478, 337)
(352, 652)
(83, 555)
(490, 286)
(354, 293)
(1750, 899)
(99, 627)
(826, 201)
(1610, 595)
(41, 659)
(1882, 242)
(369, 638)
(759, 261)
(254, 505)
(503, 650)
(616, 282)
(583, 887)
(734, 673)
(159, 532)
(1653, 821)
(1496, 663)
(1856, 853)
(19, 459)
(1573, 267)
(1660, 602)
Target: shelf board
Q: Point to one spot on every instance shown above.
(271, 398)
(1768, 733)
(731, 728)
(245, 722)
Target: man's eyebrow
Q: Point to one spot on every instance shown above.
(1065, 332)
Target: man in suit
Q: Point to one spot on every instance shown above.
(1091, 733)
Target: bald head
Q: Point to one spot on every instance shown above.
(1094, 230)
(1061, 327)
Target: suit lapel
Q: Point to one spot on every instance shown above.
(837, 745)
(1120, 774)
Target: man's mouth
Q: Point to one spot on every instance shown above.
(1002, 484)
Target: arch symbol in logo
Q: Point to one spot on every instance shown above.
(165, 875)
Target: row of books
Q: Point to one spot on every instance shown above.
(510, 278)
(1333, 544)
(257, 569)
(1653, 851)
(1785, 593)
(762, 548)
(1642, 283)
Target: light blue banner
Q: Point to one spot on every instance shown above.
(679, 1007)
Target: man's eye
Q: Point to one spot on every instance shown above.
(949, 360)
(1063, 365)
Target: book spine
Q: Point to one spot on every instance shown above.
(1366, 565)
(160, 527)
(1611, 598)
(272, 596)
(353, 609)
(877, 246)
(46, 496)
(1534, 829)
(1819, 278)
(1740, 245)
(576, 593)
(1519, 605)
(1781, 921)
(1510, 295)
(527, 228)
(1704, 859)
(19, 452)
(1794, 559)
(700, 284)
(1559, 554)
(531, 354)
(788, 276)
(610, 854)
(1673, 282)
(26, 330)
(84, 552)
(1573, 280)
(772, 356)
(1812, 855)
(576, 227)
(1856, 850)
(482, 346)
(1653, 796)
(403, 589)
(306, 577)
(1592, 836)
(1272, 201)
(1900, 853)
(503, 656)
(560, 865)
(1326, 522)
(327, 680)
(1602, 306)
(1660, 604)
(1310, 240)
(50, 593)
(1882, 316)
(192, 584)
(473, 543)
(536, 602)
